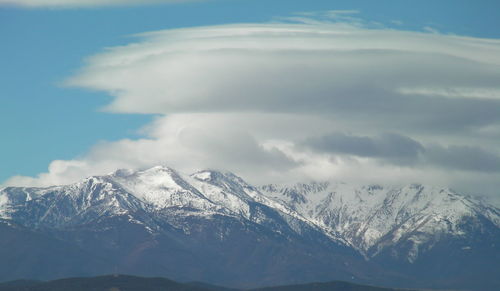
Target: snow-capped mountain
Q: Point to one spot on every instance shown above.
(373, 218)
(150, 198)
(215, 227)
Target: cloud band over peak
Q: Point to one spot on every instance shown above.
(285, 102)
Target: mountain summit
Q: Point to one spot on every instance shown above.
(213, 226)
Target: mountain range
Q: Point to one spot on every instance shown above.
(214, 227)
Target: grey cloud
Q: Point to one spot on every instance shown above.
(463, 158)
(392, 147)
(231, 148)
(402, 150)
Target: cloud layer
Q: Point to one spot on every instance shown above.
(281, 101)
(82, 3)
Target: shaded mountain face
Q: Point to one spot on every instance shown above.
(214, 227)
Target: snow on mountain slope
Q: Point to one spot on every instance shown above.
(14, 197)
(367, 216)
(233, 192)
(162, 187)
(4, 201)
(223, 189)
(208, 190)
(69, 205)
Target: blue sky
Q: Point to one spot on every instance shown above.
(41, 120)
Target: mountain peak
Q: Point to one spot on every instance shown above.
(160, 169)
(160, 186)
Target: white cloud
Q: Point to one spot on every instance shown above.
(82, 3)
(243, 97)
(187, 142)
(458, 92)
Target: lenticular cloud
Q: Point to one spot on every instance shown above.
(289, 68)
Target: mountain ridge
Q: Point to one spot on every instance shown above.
(150, 220)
